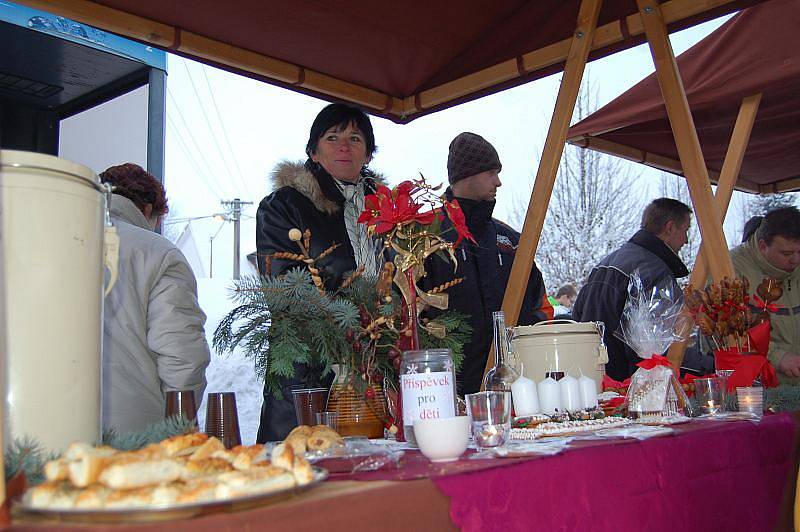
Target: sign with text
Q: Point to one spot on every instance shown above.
(427, 396)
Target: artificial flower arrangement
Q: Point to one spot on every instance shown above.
(411, 235)
(738, 326)
(361, 325)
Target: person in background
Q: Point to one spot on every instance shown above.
(653, 251)
(565, 299)
(774, 251)
(324, 194)
(473, 168)
(153, 336)
(750, 227)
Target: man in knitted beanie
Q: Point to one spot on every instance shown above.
(473, 168)
(471, 155)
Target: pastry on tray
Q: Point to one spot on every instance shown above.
(184, 469)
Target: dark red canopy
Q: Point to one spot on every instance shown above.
(400, 59)
(758, 50)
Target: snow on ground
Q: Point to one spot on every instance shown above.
(229, 372)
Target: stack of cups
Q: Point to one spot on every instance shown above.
(222, 420)
(751, 400)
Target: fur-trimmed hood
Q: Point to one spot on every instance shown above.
(294, 174)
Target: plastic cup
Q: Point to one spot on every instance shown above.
(181, 403)
(222, 420)
(308, 402)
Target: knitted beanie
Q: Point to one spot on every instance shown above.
(470, 154)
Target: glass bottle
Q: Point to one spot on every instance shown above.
(502, 375)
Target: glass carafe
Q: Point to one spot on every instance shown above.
(503, 373)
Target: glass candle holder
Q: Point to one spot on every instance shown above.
(708, 392)
(490, 415)
(751, 400)
(728, 397)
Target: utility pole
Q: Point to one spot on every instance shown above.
(235, 207)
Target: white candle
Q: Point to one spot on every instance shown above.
(549, 397)
(526, 400)
(570, 393)
(588, 392)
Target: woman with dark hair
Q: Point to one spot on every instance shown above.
(325, 195)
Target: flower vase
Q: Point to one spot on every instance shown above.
(359, 414)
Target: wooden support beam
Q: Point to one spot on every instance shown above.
(549, 163)
(660, 162)
(691, 156)
(727, 178)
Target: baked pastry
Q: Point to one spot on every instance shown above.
(134, 472)
(184, 469)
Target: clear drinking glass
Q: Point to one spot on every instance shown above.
(709, 394)
(490, 416)
(331, 419)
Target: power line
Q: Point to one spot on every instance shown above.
(189, 132)
(208, 122)
(225, 131)
(187, 152)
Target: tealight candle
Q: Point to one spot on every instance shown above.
(708, 392)
(588, 392)
(549, 396)
(570, 393)
(526, 400)
(751, 400)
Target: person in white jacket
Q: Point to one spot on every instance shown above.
(153, 336)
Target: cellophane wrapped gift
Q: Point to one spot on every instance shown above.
(648, 326)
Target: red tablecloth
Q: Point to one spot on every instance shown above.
(713, 476)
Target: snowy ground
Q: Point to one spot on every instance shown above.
(229, 372)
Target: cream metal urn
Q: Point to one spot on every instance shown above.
(53, 256)
(561, 345)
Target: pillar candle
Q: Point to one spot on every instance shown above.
(570, 394)
(549, 397)
(588, 392)
(526, 400)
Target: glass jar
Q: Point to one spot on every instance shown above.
(428, 387)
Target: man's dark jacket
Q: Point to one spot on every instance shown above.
(485, 267)
(603, 296)
(303, 199)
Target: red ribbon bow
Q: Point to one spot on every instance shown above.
(760, 303)
(652, 362)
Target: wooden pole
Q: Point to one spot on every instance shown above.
(549, 163)
(691, 156)
(727, 179)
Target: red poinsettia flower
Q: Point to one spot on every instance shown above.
(387, 209)
(456, 215)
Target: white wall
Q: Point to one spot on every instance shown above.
(110, 134)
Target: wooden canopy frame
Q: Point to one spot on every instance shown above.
(400, 109)
(651, 20)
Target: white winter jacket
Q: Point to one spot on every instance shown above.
(153, 337)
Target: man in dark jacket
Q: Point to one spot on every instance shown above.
(653, 251)
(473, 167)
